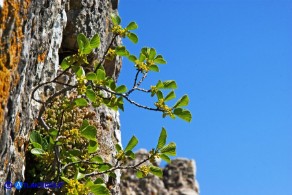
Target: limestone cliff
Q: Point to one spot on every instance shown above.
(35, 34)
(179, 178)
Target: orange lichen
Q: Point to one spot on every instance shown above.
(11, 21)
(42, 57)
(17, 123)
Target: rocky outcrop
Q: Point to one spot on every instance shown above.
(35, 36)
(179, 178)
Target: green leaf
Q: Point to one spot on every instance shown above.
(159, 95)
(66, 63)
(45, 143)
(79, 175)
(169, 96)
(116, 19)
(99, 189)
(95, 41)
(132, 58)
(97, 159)
(88, 183)
(65, 179)
(183, 114)
(130, 154)
(159, 85)
(79, 71)
(111, 83)
(90, 94)
(132, 143)
(165, 158)
(139, 174)
(132, 26)
(74, 152)
(91, 76)
(142, 57)
(36, 145)
(154, 68)
(162, 139)
(170, 84)
(85, 123)
(156, 171)
(183, 101)
(133, 37)
(80, 102)
(145, 51)
(121, 51)
(120, 103)
(104, 167)
(92, 147)
(89, 132)
(53, 132)
(35, 137)
(152, 54)
(99, 181)
(37, 151)
(112, 175)
(169, 149)
(121, 89)
(159, 60)
(100, 75)
(83, 44)
(118, 147)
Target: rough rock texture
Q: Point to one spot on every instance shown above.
(34, 35)
(179, 179)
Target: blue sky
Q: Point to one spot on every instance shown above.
(234, 59)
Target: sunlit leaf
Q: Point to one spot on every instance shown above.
(169, 149)
(162, 139)
(133, 37)
(132, 143)
(132, 26)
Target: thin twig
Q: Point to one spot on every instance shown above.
(136, 85)
(136, 78)
(56, 148)
(104, 55)
(128, 99)
(45, 83)
(143, 90)
(77, 162)
(118, 167)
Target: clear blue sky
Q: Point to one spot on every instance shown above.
(233, 58)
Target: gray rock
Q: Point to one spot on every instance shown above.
(35, 36)
(178, 179)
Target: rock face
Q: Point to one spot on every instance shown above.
(34, 36)
(178, 179)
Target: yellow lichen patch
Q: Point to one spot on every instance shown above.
(17, 123)
(42, 57)
(11, 22)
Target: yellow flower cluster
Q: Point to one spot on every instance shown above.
(154, 89)
(117, 29)
(47, 158)
(161, 105)
(145, 170)
(75, 187)
(81, 84)
(142, 66)
(111, 54)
